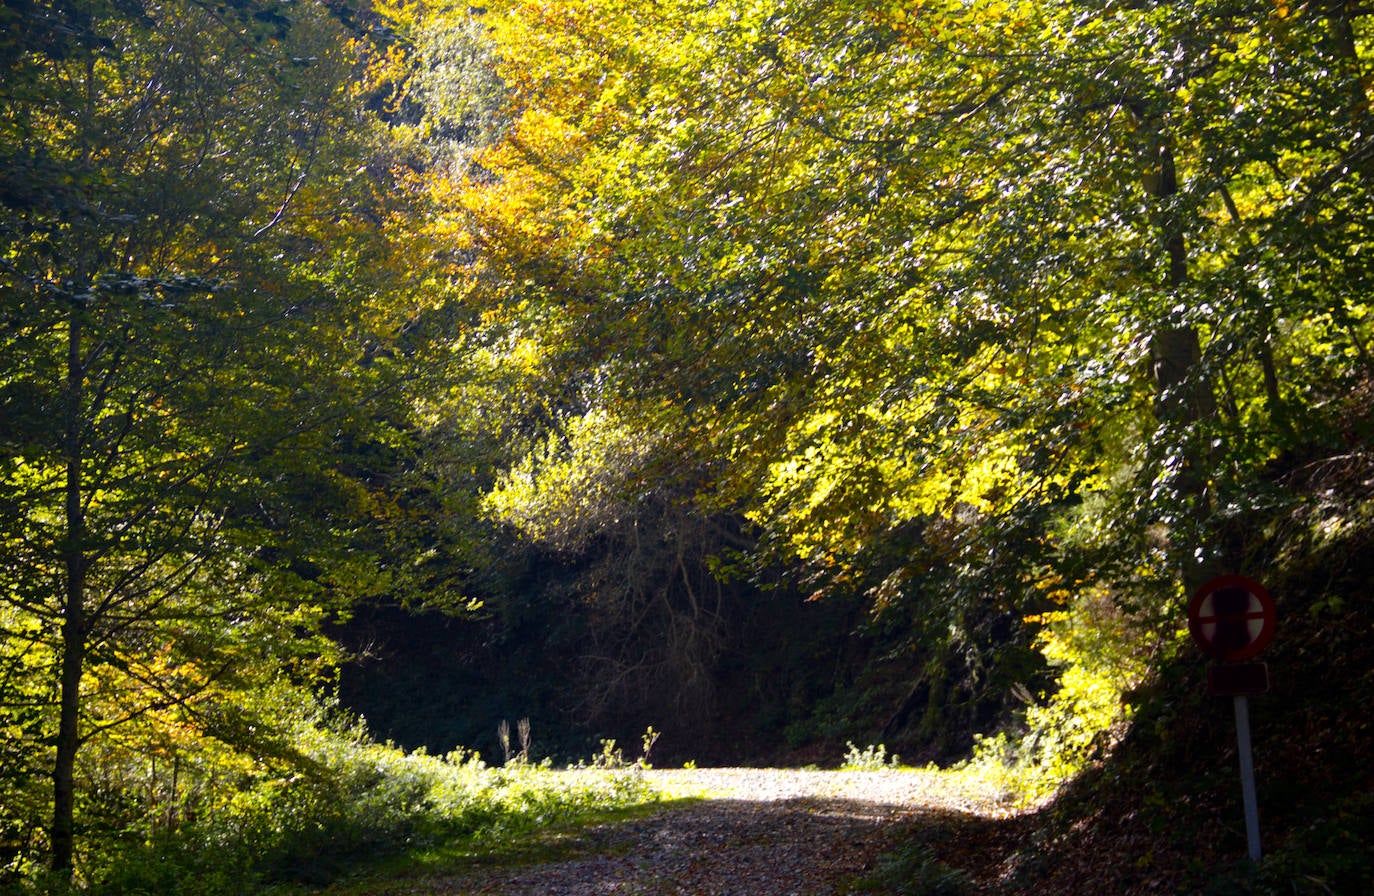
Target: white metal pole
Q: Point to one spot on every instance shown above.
(1247, 778)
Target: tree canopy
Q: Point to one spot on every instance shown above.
(979, 316)
(949, 261)
(974, 309)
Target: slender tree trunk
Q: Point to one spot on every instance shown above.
(1174, 348)
(63, 833)
(73, 559)
(1273, 394)
(1174, 352)
(1183, 395)
(1340, 16)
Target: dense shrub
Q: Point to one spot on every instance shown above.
(349, 802)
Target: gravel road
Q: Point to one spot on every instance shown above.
(754, 832)
(901, 789)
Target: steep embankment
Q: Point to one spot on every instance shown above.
(1163, 814)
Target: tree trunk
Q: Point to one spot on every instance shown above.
(63, 831)
(1340, 17)
(1183, 396)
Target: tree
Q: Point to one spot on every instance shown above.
(993, 272)
(189, 299)
(975, 308)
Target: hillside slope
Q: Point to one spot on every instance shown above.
(1163, 814)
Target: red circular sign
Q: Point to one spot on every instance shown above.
(1232, 618)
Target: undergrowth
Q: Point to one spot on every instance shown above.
(1167, 793)
(1100, 657)
(352, 804)
(870, 758)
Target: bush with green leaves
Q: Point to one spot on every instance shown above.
(1099, 656)
(367, 800)
(870, 758)
(344, 803)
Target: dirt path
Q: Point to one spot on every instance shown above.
(756, 832)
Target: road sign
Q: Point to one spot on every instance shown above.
(1232, 618)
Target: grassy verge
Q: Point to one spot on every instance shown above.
(357, 808)
(563, 841)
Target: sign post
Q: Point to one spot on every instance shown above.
(1232, 618)
(1247, 778)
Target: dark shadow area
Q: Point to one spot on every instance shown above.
(1163, 813)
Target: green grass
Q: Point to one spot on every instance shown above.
(365, 811)
(560, 842)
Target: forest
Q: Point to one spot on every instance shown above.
(759, 378)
